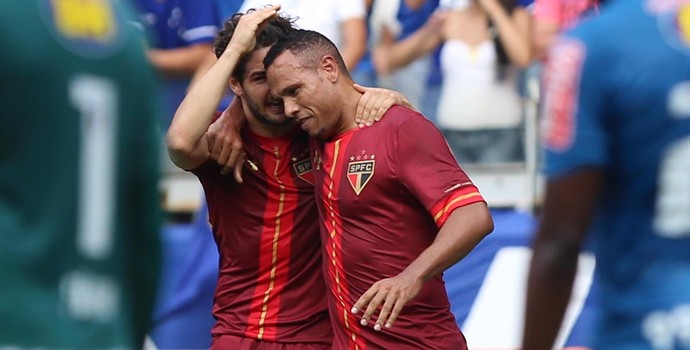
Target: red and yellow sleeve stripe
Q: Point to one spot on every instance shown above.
(462, 196)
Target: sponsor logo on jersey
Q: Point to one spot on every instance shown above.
(359, 172)
(85, 27)
(562, 79)
(304, 170)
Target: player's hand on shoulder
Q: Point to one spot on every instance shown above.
(224, 140)
(375, 102)
(391, 295)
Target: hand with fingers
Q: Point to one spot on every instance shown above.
(224, 140)
(375, 102)
(244, 37)
(390, 295)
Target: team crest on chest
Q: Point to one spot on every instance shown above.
(303, 167)
(304, 170)
(360, 170)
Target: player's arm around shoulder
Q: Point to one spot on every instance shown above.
(187, 142)
(186, 138)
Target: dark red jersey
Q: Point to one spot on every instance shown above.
(270, 283)
(383, 193)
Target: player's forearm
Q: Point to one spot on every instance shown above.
(463, 230)
(549, 286)
(568, 208)
(205, 65)
(182, 61)
(186, 135)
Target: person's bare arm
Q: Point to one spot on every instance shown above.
(465, 228)
(544, 34)
(513, 31)
(389, 57)
(187, 141)
(354, 34)
(182, 61)
(567, 212)
(204, 66)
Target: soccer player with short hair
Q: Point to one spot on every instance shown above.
(396, 209)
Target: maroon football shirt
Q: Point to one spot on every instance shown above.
(270, 284)
(383, 193)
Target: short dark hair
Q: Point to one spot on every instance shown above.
(307, 45)
(273, 30)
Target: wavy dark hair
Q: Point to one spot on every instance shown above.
(272, 31)
(501, 54)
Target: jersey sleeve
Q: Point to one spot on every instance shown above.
(428, 169)
(574, 134)
(201, 22)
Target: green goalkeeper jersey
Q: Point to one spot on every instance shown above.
(79, 205)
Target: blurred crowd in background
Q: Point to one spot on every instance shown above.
(471, 66)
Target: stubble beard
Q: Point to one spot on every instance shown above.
(263, 117)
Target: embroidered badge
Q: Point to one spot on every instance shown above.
(304, 170)
(359, 173)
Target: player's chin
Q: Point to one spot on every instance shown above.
(319, 133)
(282, 120)
(276, 118)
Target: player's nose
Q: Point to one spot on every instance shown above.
(291, 108)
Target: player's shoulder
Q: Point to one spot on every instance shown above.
(598, 40)
(611, 25)
(397, 116)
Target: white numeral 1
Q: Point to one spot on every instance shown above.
(95, 98)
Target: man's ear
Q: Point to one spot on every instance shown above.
(330, 67)
(236, 86)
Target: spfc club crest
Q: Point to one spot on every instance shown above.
(359, 173)
(303, 169)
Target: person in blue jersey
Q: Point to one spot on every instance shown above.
(181, 33)
(617, 147)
